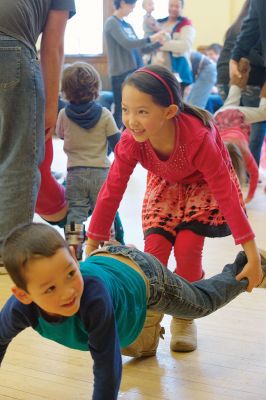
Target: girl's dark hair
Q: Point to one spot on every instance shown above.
(81, 83)
(151, 85)
(235, 28)
(117, 3)
(237, 161)
(28, 242)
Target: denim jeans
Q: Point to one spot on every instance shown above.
(173, 295)
(117, 82)
(21, 133)
(202, 86)
(250, 98)
(82, 188)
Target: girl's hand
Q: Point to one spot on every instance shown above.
(248, 200)
(252, 271)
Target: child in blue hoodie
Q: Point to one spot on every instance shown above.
(87, 129)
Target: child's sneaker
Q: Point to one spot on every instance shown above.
(184, 335)
(75, 236)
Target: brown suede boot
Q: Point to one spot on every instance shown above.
(184, 335)
(147, 342)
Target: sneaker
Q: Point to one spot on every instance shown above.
(75, 235)
(184, 335)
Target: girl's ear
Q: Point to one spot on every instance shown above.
(21, 295)
(171, 111)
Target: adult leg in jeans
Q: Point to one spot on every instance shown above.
(21, 133)
(203, 85)
(250, 97)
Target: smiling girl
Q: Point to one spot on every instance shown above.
(177, 144)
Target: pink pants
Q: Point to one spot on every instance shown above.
(51, 196)
(187, 250)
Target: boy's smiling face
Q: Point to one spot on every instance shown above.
(54, 283)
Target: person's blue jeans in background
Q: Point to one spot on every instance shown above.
(250, 97)
(21, 133)
(202, 86)
(214, 103)
(173, 295)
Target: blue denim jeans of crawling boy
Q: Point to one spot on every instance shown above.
(171, 294)
(21, 133)
(82, 188)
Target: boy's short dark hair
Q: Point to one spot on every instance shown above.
(28, 242)
(117, 3)
(81, 83)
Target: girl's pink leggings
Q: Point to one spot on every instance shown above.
(187, 250)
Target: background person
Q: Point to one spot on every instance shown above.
(28, 100)
(124, 49)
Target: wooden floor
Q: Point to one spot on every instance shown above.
(229, 364)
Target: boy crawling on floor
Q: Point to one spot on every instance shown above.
(100, 305)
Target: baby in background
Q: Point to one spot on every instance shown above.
(151, 26)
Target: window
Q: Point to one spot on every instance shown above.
(84, 31)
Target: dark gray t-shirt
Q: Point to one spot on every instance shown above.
(25, 19)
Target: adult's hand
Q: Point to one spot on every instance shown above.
(233, 70)
(158, 37)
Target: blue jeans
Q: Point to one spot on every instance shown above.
(21, 133)
(82, 187)
(173, 295)
(202, 86)
(250, 98)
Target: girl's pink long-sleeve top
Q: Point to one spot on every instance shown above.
(199, 155)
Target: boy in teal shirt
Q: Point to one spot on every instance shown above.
(101, 306)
